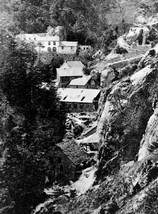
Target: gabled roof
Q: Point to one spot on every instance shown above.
(70, 72)
(80, 81)
(68, 43)
(72, 64)
(75, 64)
(77, 95)
(73, 151)
(39, 37)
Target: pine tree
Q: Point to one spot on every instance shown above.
(34, 125)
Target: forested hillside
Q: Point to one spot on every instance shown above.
(85, 21)
(32, 120)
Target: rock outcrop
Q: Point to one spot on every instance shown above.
(127, 110)
(127, 175)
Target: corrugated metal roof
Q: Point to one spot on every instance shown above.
(75, 64)
(72, 64)
(77, 95)
(68, 43)
(80, 81)
(70, 72)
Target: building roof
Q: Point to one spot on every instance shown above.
(77, 95)
(80, 81)
(48, 38)
(94, 138)
(75, 64)
(70, 72)
(39, 37)
(72, 64)
(68, 44)
(85, 46)
(73, 151)
(90, 130)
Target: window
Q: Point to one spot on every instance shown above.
(54, 43)
(71, 47)
(48, 43)
(62, 47)
(54, 49)
(68, 107)
(81, 106)
(49, 49)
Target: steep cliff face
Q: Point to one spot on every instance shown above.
(149, 141)
(127, 175)
(130, 11)
(127, 110)
(128, 131)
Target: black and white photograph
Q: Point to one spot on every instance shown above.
(78, 106)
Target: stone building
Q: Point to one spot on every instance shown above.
(66, 160)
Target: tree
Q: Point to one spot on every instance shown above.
(78, 17)
(31, 16)
(34, 125)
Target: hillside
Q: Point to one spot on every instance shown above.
(124, 177)
(6, 15)
(127, 172)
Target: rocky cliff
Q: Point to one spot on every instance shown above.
(128, 164)
(127, 171)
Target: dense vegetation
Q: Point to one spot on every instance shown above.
(34, 123)
(84, 21)
(32, 119)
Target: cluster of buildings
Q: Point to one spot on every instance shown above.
(78, 91)
(53, 41)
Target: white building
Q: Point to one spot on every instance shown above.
(66, 47)
(68, 71)
(65, 75)
(49, 42)
(79, 100)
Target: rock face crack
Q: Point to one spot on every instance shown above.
(124, 119)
